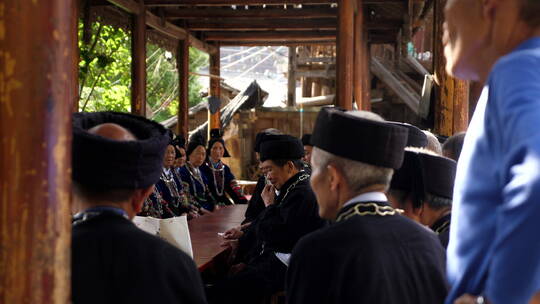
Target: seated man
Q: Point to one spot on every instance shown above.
(308, 147)
(423, 188)
(117, 159)
(371, 254)
(291, 212)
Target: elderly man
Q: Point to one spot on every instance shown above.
(290, 213)
(494, 249)
(423, 187)
(371, 254)
(117, 159)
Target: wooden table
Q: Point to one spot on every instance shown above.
(204, 230)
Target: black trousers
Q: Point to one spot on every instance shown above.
(261, 278)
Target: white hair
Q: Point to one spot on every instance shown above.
(433, 143)
(358, 175)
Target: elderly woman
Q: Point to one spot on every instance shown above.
(192, 175)
(221, 181)
(169, 198)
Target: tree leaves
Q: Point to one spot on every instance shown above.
(105, 74)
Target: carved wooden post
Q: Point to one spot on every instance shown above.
(38, 87)
(345, 54)
(182, 61)
(452, 95)
(138, 62)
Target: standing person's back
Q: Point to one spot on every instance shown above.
(494, 250)
(117, 158)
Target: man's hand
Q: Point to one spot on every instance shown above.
(233, 233)
(268, 195)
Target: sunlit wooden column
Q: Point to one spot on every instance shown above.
(215, 88)
(345, 54)
(182, 61)
(38, 86)
(452, 95)
(291, 77)
(361, 86)
(138, 62)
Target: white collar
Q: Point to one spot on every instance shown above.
(167, 171)
(367, 197)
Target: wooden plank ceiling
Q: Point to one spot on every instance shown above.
(273, 22)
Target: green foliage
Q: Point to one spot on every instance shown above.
(105, 74)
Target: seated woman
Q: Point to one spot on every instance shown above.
(220, 179)
(169, 198)
(197, 183)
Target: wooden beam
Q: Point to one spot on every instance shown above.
(191, 13)
(165, 28)
(452, 95)
(271, 36)
(409, 97)
(291, 78)
(265, 24)
(310, 74)
(277, 43)
(182, 60)
(138, 62)
(261, 24)
(38, 86)
(345, 54)
(215, 90)
(253, 2)
(306, 60)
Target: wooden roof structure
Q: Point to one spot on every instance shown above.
(271, 22)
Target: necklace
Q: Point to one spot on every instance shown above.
(196, 177)
(168, 179)
(218, 174)
(363, 209)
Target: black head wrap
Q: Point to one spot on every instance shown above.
(104, 163)
(423, 173)
(211, 143)
(306, 140)
(194, 142)
(284, 147)
(262, 137)
(372, 142)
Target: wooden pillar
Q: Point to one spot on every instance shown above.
(38, 86)
(291, 81)
(362, 87)
(452, 95)
(215, 89)
(138, 62)
(182, 61)
(306, 86)
(316, 88)
(345, 54)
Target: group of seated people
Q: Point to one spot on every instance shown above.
(194, 180)
(336, 217)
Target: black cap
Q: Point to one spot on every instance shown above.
(284, 147)
(104, 163)
(179, 142)
(416, 138)
(423, 173)
(373, 142)
(262, 137)
(306, 140)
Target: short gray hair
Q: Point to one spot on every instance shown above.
(359, 175)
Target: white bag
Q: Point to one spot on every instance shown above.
(173, 230)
